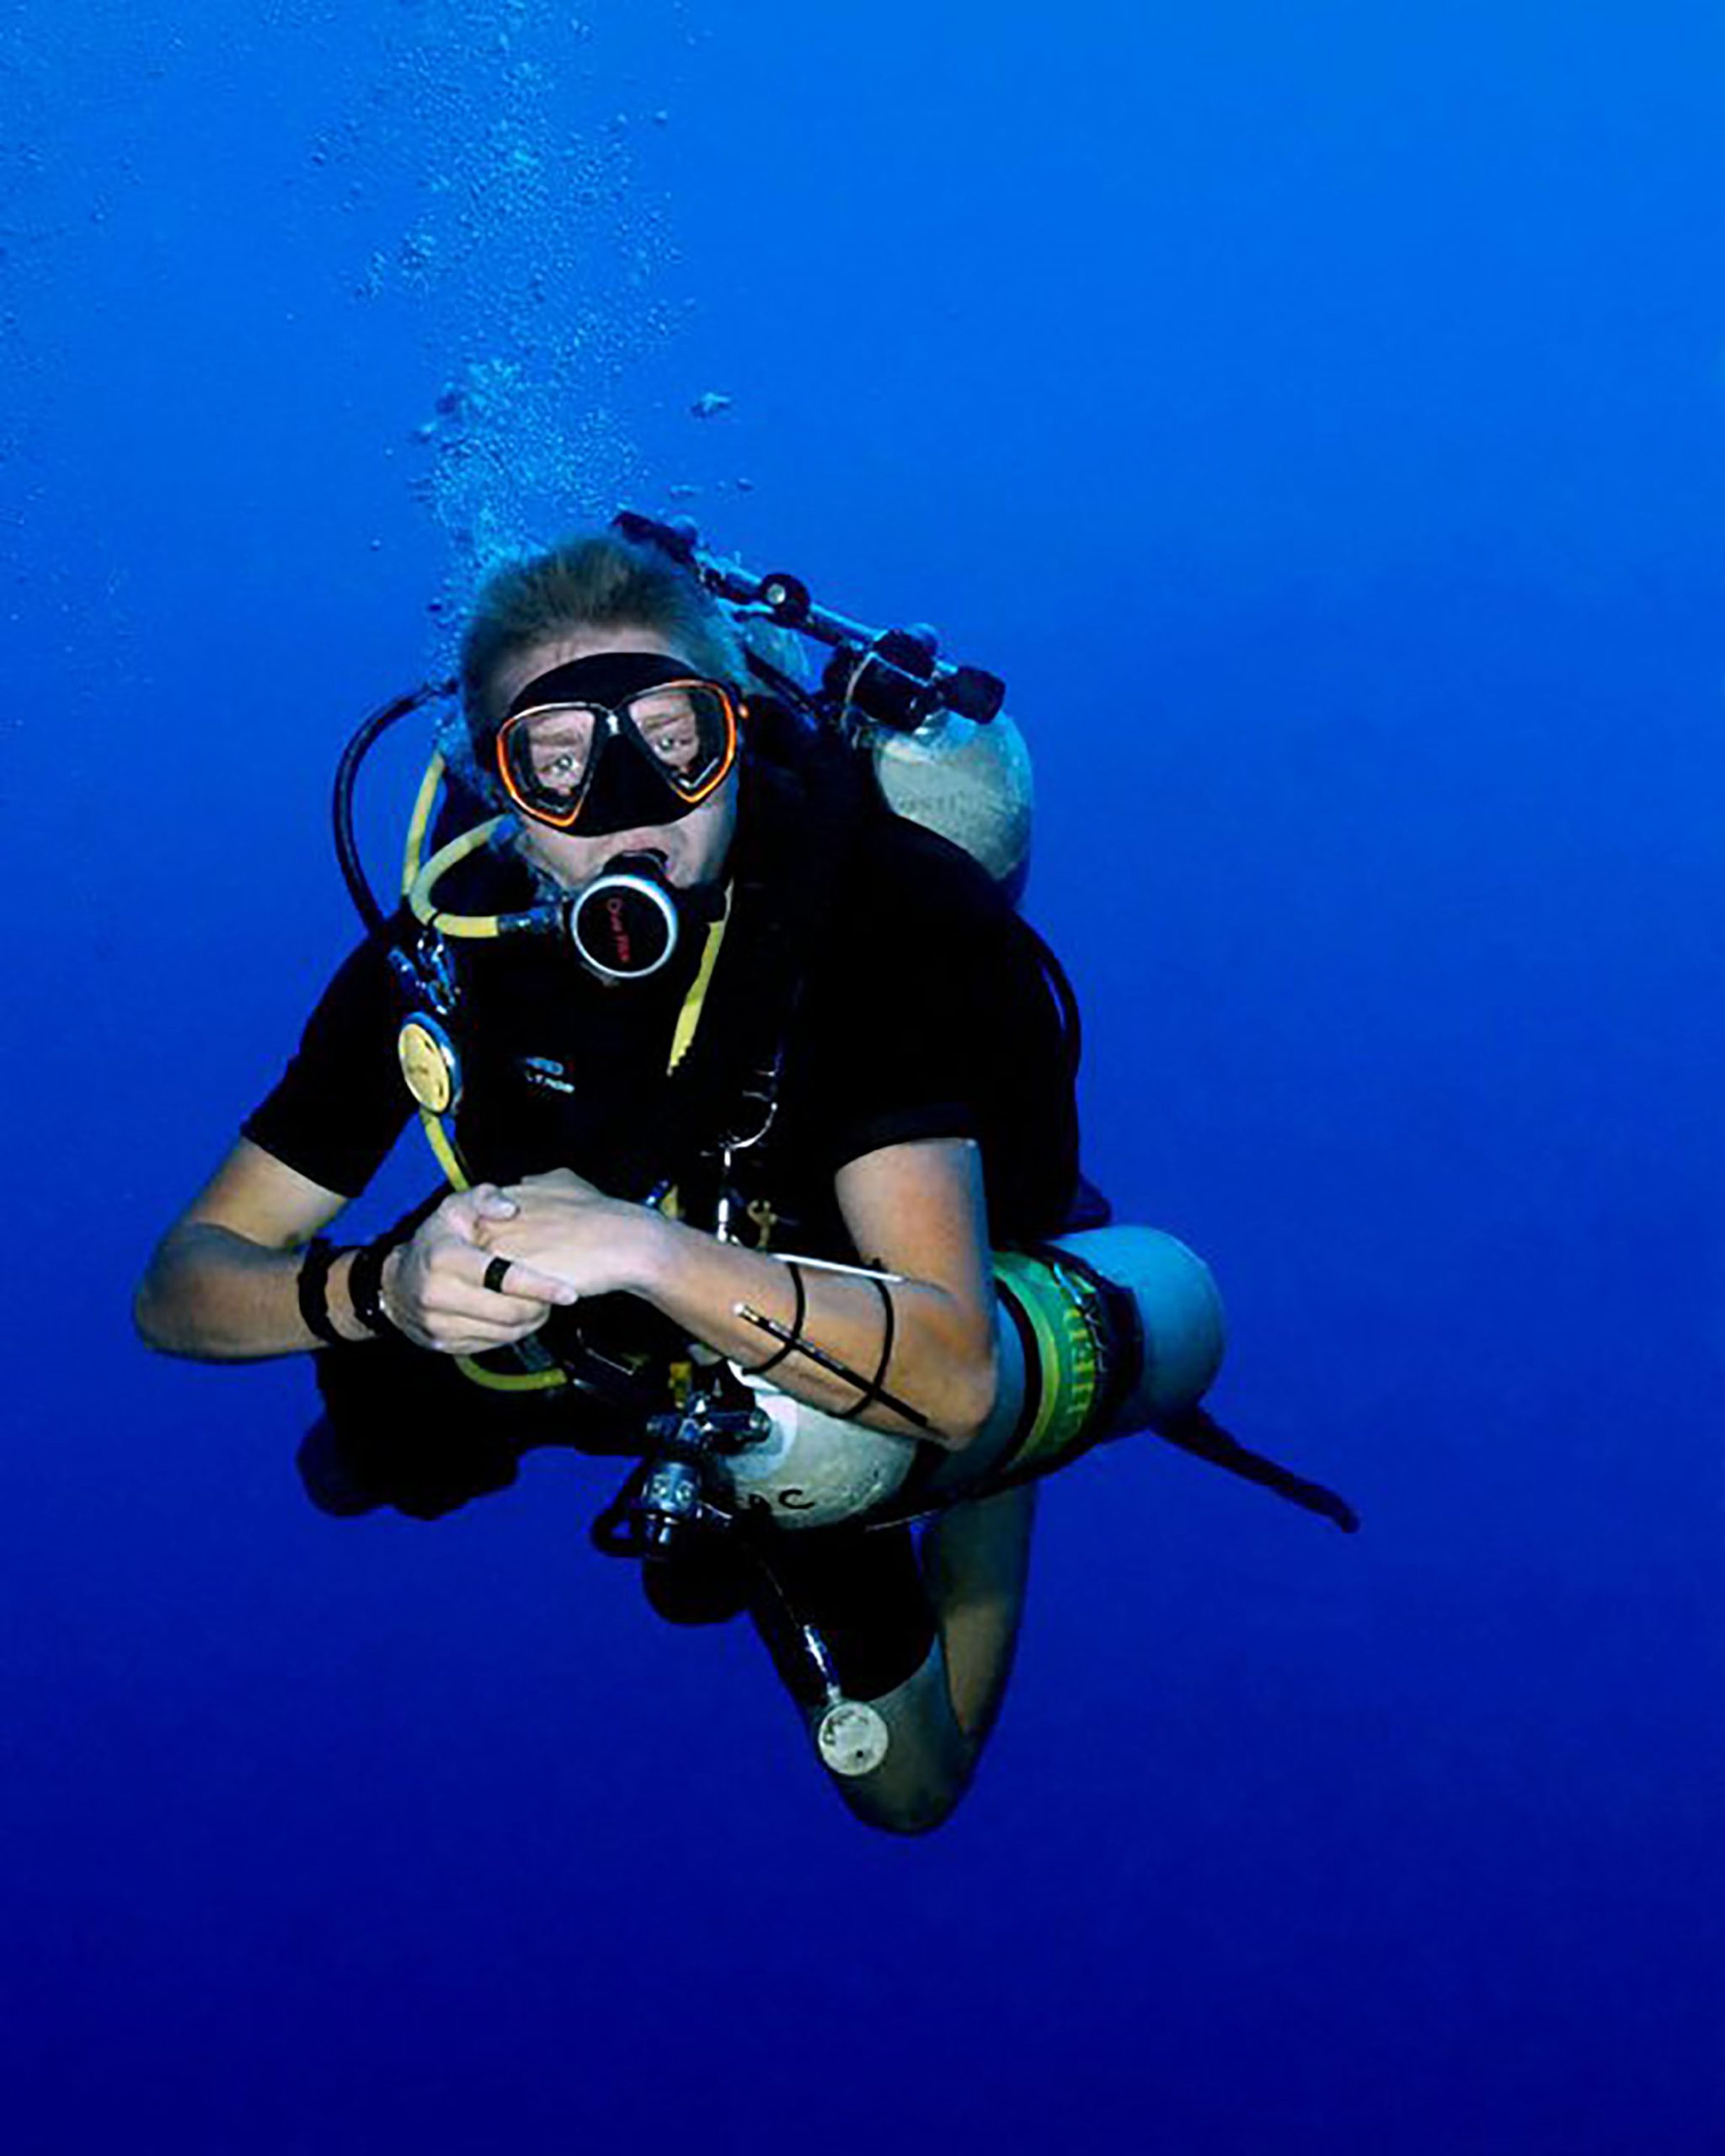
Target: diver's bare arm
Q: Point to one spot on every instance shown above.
(223, 1283)
(917, 1211)
(212, 1296)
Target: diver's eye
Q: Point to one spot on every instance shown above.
(679, 725)
(672, 741)
(663, 720)
(558, 767)
(553, 748)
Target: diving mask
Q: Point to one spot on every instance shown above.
(620, 741)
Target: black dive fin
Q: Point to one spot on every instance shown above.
(1195, 1432)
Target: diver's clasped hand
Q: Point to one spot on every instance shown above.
(564, 1228)
(436, 1288)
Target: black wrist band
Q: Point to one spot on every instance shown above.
(312, 1288)
(365, 1285)
(798, 1315)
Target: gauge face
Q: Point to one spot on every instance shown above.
(852, 1738)
(429, 1066)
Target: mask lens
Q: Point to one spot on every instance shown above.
(547, 756)
(648, 759)
(686, 727)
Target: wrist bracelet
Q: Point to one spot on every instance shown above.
(311, 1287)
(365, 1285)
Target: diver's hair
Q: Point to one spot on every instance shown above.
(595, 581)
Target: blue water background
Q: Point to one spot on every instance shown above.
(1315, 412)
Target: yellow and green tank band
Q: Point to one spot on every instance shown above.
(1050, 1307)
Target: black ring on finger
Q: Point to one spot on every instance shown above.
(495, 1274)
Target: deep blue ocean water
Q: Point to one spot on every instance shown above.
(1315, 413)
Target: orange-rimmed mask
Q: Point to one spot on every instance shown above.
(621, 741)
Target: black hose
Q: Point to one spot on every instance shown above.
(360, 743)
(1065, 998)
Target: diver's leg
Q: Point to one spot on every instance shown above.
(976, 1560)
(928, 1762)
(863, 1598)
(975, 1565)
(930, 1649)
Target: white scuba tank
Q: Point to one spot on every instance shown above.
(812, 1471)
(970, 783)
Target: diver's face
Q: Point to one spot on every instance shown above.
(692, 849)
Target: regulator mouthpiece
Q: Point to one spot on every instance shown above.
(624, 926)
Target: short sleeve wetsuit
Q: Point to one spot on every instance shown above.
(901, 999)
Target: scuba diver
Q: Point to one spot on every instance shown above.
(752, 1097)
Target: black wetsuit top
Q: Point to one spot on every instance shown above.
(902, 1000)
(912, 1005)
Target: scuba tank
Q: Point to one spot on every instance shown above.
(1103, 1332)
(970, 783)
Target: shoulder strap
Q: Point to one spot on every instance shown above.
(798, 835)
